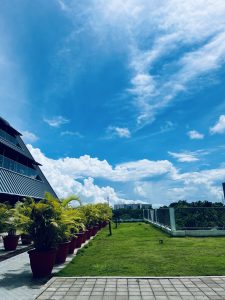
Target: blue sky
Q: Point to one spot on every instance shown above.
(119, 99)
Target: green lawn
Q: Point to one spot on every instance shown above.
(134, 250)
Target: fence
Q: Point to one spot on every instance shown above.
(190, 221)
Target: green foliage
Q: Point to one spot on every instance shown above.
(199, 214)
(126, 214)
(7, 219)
(51, 221)
(43, 224)
(4, 217)
(96, 213)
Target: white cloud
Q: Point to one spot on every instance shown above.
(152, 181)
(195, 135)
(121, 132)
(29, 137)
(219, 127)
(86, 166)
(184, 157)
(71, 133)
(153, 32)
(56, 121)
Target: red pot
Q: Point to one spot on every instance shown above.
(42, 262)
(72, 245)
(79, 239)
(88, 234)
(94, 230)
(10, 242)
(62, 252)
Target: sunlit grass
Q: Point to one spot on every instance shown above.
(134, 250)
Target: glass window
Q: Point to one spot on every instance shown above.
(8, 137)
(10, 164)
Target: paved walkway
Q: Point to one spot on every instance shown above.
(7, 254)
(16, 281)
(186, 288)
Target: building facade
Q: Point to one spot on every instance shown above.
(20, 175)
(133, 206)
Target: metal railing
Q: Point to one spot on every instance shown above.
(198, 219)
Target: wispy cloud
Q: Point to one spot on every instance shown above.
(120, 132)
(71, 133)
(56, 121)
(189, 33)
(195, 135)
(219, 127)
(184, 156)
(29, 137)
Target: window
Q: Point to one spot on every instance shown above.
(10, 164)
(8, 137)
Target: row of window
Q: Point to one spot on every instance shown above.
(10, 164)
(8, 137)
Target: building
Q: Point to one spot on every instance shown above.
(20, 174)
(133, 206)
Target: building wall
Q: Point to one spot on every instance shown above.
(20, 174)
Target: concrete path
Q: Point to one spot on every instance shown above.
(16, 281)
(106, 288)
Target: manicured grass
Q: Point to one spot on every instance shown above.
(134, 250)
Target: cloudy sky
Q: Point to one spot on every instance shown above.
(119, 99)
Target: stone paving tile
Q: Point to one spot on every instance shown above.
(135, 289)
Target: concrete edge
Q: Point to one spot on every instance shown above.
(141, 277)
(14, 253)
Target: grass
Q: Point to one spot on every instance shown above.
(134, 250)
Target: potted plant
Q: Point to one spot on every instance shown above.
(77, 227)
(7, 224)
(41, 221)
(66, 226)
(22, 213)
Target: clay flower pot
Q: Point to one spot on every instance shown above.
(10, 242)
(42, 262)
(62, 252)
(72, 245)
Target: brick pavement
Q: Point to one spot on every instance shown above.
(111, 288)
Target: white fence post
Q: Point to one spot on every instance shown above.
(172, 219)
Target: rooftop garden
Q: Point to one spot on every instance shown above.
(139, 249)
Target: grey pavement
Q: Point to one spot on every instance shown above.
(112, 288)
(7, 254)
(16, 281)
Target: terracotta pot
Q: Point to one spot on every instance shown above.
(42, 262)
(88, 233)
(72, 245)
(25, 239)
(92, 231)
(79, 239)
(10, 242)
(62, 252)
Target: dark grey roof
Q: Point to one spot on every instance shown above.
(6, 124)
(18, 184)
